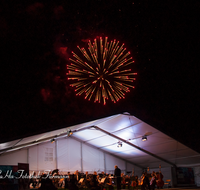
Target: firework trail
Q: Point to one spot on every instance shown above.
(101, 71)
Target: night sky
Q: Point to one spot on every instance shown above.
(37, 38)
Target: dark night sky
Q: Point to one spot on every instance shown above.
(163, 37)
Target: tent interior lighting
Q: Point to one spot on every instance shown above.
(119, 144)
(144, 138)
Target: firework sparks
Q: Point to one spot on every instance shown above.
(101, 72)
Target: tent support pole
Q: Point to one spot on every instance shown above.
(104, 156)
(56, 151)
(125, 167)
(28, 156)
(81, 157)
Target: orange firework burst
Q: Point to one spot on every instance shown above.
(101, 72)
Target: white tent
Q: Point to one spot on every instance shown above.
(94, 146)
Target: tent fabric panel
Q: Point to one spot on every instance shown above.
(162, 147)
(93, 159)
(102, 120)
(15, 157)
(111, 161)
(132, 168)
(85, 135)
(186, 160)
(46, 156)
(103, 141)
(74, 148)
(145, 159)
(186, 152)
(148, 161)
(155, 165)
(8, 144)
(118, 123)
(130, 154)
(135, 133)
(69, 155)
(31, 139)
(127, 134)
(168, 155)
(33, 158)
(62, 154)
(143, 128)
(155, 142)
(174, 155)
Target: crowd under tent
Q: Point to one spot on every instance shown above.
(99, 145)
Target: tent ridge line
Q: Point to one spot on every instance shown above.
(127, 127)
(143, 150)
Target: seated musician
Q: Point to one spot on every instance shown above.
(110, 186)
(102, 180)
(67, 179)
(123, 182)
(153, 181)
(94, 182)
(127, 181)
(88, 178)
(33, 180)
(73, 182)
(77, 174)
(145, 181)
(103, 174)
(134, 182)
(46, 183)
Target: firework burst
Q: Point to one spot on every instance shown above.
(102, 71)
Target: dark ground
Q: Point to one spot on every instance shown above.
(37, 37)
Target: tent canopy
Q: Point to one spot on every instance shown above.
(107, 134)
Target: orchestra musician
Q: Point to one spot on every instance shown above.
(94, 182)
(134, 182)
(117, 174)
(102, 180)
(110, 186)
(153, 181)
(67, 179)
(123, 182)
(145, 181)
(159, 181)
(73, 182)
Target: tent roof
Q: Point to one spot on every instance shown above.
(106, 133)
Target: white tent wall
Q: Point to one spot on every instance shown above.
(42, 157)
(13, 158)
(93, 159)
(73, 155)
(137, 171)
(68, 155)
(33, 158)
(111, 161)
